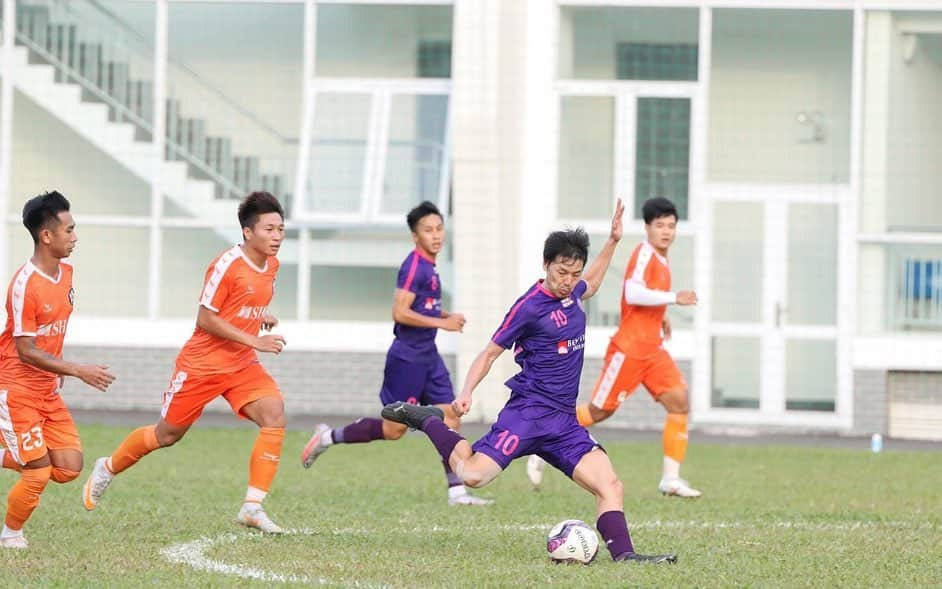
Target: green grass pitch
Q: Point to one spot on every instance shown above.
(376, 516)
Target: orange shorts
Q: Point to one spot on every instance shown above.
(621, 375)
(189, 394)
(32, 423)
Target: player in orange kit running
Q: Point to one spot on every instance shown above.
(41, 440)
(636, 355)
(220, 360)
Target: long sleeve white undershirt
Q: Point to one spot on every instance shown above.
(636, 293)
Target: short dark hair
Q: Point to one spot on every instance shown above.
(657, 207)
(424, 209)
(43, 210)
(569, 244)
(256, 204)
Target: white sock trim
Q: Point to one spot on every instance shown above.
(327, 437)
(671, 469)
(457, 491)
(8, 533)
(255, 495)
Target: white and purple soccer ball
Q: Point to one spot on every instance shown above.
(572, 540)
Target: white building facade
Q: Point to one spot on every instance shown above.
(800, 141)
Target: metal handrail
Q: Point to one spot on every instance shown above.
(127, 27)
(87, 84)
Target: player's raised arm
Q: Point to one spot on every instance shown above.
(596, 272)
(403, 313)
(479, 369)
(92, 374)
(212, 323)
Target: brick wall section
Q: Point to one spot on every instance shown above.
(314, 383)
(347, 383)
(871, 406)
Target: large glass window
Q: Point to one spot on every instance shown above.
(338, 152)
(415, 154)
(780, 88)
(634, 43)
(234, 107)
(662, 152)
(375, 41)
(586, 157)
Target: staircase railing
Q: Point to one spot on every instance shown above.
(91, 46)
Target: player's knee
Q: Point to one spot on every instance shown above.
(63, 475)
(167, 438)
(474, 480)
(612, 490)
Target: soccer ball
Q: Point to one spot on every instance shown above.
(572, 541)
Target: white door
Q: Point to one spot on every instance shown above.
(772, 351)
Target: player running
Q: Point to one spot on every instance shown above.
(636, 355)
(415, 372)
(546, 327)
(41, 440)
(220, 359)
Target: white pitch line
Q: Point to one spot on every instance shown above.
(193, 553)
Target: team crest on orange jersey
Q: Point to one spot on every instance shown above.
(72, 296)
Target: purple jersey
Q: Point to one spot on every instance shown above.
(418, 275)
(548, 336)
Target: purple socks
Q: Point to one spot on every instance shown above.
(614, 530)
(360, 431)
(443, 437)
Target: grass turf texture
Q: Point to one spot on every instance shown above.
(376, 515)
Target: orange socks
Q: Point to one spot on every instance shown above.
(137, 445)
(24, 496)
(584, 415)
(675, 436)
(265, 456)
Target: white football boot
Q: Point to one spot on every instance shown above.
(253, 516)
(466, 498)
(535, 468)
(14, 542)
(96, 484)
(678, 488)
(315, 446)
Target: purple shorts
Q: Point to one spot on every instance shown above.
(522, 429)
(415, 377)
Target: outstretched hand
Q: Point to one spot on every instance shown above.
(617, 227)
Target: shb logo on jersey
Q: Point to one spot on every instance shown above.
(566, 302)
(249, 312)
(53, 329)
(570, 345)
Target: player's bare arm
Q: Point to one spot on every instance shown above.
(596, 272)
(404, 315)
(95, 375)
(215, 325)
(479, 369)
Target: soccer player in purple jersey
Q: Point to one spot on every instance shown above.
(415, 372)
(546, 328)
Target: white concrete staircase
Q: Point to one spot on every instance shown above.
(117, 139)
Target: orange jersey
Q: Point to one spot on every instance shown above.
(639, 333)
(239, 292)
(39, 306)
